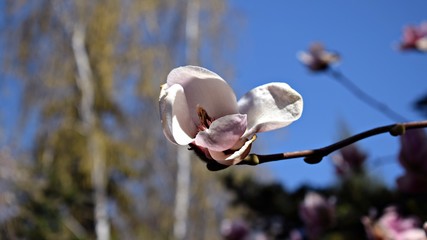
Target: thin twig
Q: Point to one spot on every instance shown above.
(371, 101)
(316, 155)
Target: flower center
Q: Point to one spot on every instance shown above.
(205, 120)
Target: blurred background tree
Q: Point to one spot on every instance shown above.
(87, 153)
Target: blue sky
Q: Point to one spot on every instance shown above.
(366, 34)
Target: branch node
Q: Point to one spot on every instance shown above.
(252, 159)
(397, 130)
(313, 159)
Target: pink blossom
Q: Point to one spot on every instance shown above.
(317, 213)
(234, 230)
(295, 234)
(317, 58)
(199, 108)
(349, 160)
(413, 158)
(414, 38)
(392, 226)
(413, 151)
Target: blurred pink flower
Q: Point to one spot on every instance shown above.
(415, 38)
(234, 230)
(413, 158)
(317, 213)
(349, 160)
(413, 150)
(317, 58)
(413, 234)
(295, 234)
(394, 223)
(198, 108)
(392, 226)
(411, 182)
(239, 230)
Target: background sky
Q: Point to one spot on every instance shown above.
(366, 34)
(267, 40)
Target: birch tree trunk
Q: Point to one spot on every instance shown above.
(182, 198)
(85, 83)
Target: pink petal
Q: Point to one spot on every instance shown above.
(410, 35)
(413, 151)
(223, 133)
(242, 147)
(412, 234)
(205, 89)
(270, 106)
(175, 117)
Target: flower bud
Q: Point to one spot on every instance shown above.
(317, 58)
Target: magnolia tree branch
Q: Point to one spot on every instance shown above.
(316, 155)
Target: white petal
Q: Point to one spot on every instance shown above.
(205, 89)
(270, 106)
(421, 44)
(176, 121)
(305, 58)
(223, 133)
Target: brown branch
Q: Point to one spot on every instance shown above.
(316, 155)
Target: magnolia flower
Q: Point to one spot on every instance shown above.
(317, 58)
(317, 213)
(239, 230)
(296, 234)
(349, 160)
(234, 230)
(392, 226)
(415, 38)
(198, 108)
(413, 156)
(413, 150)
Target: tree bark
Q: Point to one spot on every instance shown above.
(182, 198)
(85, 83)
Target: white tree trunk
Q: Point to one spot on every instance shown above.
(85, 83)
(182, 198)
